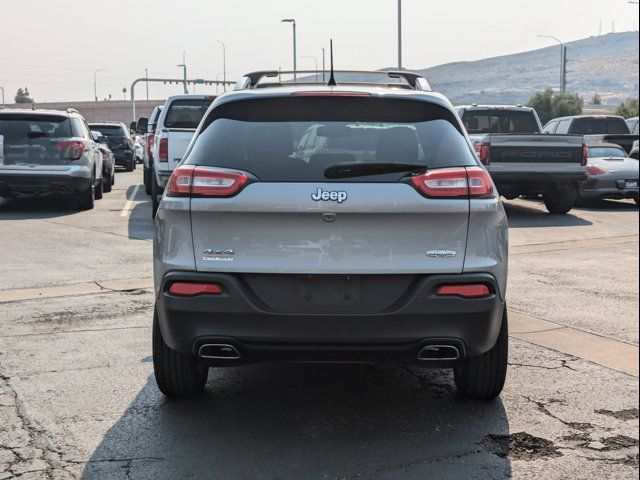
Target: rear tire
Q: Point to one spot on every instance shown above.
(560, 200)
(482, 377)
(99, 190)
(86, 200)
(146, 176)
(107, 183)
(178, 375)
(155, 193)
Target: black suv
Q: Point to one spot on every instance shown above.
(120, 143)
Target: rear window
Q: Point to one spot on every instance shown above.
(606, 152)
(499, 121)
(617, 126)
(186, 113)
(32, 139)
(110, 130)
(294, 139)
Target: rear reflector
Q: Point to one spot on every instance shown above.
(191, 289)
(188, 180)
(471, 182)
(471, 290)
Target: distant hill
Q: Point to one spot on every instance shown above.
(606, 64)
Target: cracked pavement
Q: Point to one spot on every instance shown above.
(78, 400)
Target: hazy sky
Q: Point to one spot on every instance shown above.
(53, 46)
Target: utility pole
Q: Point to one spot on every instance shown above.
(224, 64)
(146, 75)
(563, 66)
(399, 34)
(184, 72)
(292, 21)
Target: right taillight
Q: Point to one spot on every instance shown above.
(188, 180)
(163, 150)
(470, 182)
(585, 155)
(483, 149)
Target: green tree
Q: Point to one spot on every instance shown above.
(22, 96)
(596, 99)
(628, 109)
(550, 105)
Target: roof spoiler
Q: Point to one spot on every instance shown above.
(413, 80)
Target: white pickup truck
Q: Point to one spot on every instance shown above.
(174, 130)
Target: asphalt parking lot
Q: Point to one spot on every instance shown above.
(78, 398)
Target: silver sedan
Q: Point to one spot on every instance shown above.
(611, 174)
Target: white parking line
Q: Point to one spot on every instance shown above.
(128, 207)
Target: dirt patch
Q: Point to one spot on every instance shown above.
(627, 414)
(520, 446)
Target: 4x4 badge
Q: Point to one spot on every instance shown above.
(329, 196)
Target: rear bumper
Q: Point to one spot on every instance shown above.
(609, 186)
(535, 180)
(239, 318)
(41, 184)
(123, 158)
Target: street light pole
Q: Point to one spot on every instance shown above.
(95, 83)
(563, 82)
(315, 61)
(224, 63)
(146, 75)
(399, 34)
(184, 72)
(2, 90)
(324, 67)
(292, 21)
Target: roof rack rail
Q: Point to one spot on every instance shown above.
(72, 110)
(414, 80)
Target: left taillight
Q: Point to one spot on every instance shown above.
(585, 155)
(192, 181)
(72, 149)
(483, 149)
(470, 182)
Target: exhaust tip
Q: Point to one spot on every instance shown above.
(439, 353)
(219, 351)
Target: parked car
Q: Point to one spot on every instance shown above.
(108, 161)
(632, 123)
(176, 125)
(635, 154)
(595, 128)
(148, 128)
(120, 143)
(522, 161)
(389, 243)
(611, 174)
(49, 152)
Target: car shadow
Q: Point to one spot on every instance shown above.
(523, 216)
(608, 206)
(306, 422)
(140, 224)
(35, 208)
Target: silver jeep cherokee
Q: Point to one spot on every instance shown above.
(347, 223)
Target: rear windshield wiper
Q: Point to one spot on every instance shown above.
(37, 134)
(359, 169)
